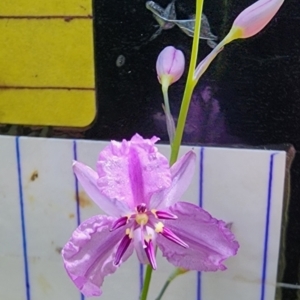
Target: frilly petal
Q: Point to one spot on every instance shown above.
(89, 254)
(182, 173)
(132, 171)
(210, 242)
(88, 179)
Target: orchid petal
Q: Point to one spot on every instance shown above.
(150, 252)
(89, 254)
(120, 222)
(182, 173)
(164, 215)
(123, 246)
(131, 171)
(168, 234)
(209, 241)
(139, 246)
(139, 242)
(88, 179)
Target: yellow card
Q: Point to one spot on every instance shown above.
(47, 63)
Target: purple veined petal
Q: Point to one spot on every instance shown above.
(209, 241)
(131, 171)
(150, 252)
(88, 179)
(182, 173)
(164, 215)
(120, 222)
(140, 245)
(169, 234)
(123, 246)
(89, 254)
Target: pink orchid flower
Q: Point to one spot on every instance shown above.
(140, 192)
(169, 66)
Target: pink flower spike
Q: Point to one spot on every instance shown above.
(253, 19)
(169, 66)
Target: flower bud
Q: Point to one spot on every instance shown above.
(253, 19)
(169, 66)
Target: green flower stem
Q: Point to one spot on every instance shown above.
(146, 285)
(166, 99)
(175, 273)
(189, 87)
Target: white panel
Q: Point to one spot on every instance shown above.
(12, 263)
(239, 191)
(50, 209)
(232, 184)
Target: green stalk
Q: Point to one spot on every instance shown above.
(166, 99)
(189, 87)
(146, 285)
(175, 273)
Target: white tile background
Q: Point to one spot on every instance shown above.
(38, 216)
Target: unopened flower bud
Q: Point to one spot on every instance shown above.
(169, 66)
(253, 19)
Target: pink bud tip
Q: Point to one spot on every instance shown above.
(170, 63)
(255, 17)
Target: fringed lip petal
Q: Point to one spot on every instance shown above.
(88, 179)
(90, 253)
(210, 241)
(182, 173)
(135, 170)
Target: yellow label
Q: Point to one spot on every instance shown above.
(47, 63)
